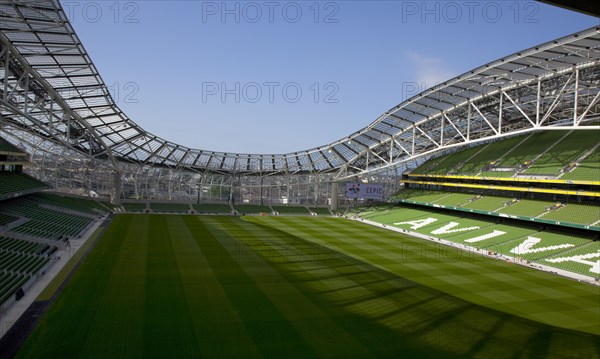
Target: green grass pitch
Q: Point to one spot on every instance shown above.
(176, 286)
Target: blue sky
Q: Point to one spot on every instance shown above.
(285, 76)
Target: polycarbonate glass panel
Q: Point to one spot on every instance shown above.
(64, 50)
(114, 137)
(9, 10)
(454, 91)
(21, 37)
(72, 70)
(384, 127)
(163, 151)
(176, 154)
(124, 148)
(253, 163)
(75, 102)
(187, 158)
(203, 160)
(437, 100)
(104, 111)
(113, 119)
(565, 61)
(39, 13)
(35, 49)
(264, 163)
(98, 124)
(367, 140)
(63, 86)
(349, 149)
(404, 114)
(292, 163)
(40, 60)
(56, 38)
(317, 157)
(226, 162)
(83, 81)
(92, 91)
(279, 162)
(96, 101)
(303, 160)
(13, 24)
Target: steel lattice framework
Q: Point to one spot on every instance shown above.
(51, 92)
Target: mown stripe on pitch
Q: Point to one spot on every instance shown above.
(520, 291)
(446, 275)
(116, 328)
(64, 330)
(168, 328)
(527, 328)
(272, 333)
(216, 322)
(503, 289)
(317, 327)
(365, 302)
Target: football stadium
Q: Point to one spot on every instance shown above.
(462, 223)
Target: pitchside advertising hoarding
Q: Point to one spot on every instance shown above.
(362, 190)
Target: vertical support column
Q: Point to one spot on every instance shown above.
(391, 148)
(334, 196)
(231, 197)
(147, 186)
(316, 190)
(414, 134)
(442, 131)
(200, 187)
(469, 123)
(26, 104)
(287, 188)
(116, 191)
(170, 186)
(261, 191)
(538, 103)
(6, 75)
(500, 113)
(576, 101)
(220, 179)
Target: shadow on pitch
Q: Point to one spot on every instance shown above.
(378, 305)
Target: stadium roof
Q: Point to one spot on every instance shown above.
(584, 7)
(52, 88)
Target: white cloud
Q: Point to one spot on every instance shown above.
(429, 71)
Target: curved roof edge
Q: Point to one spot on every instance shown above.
(38, 39)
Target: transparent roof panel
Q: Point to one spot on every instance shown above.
(41, 32)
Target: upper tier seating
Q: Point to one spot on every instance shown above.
(14, 182)
(6, 146)
(547, 153)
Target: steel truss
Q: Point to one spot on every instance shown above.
(568, 99)
(53, 100)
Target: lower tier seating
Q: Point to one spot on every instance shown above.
(19, 262)
(576, 253)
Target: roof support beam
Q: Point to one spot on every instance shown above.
(519, 108)
(484, 118)
(555, 102)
